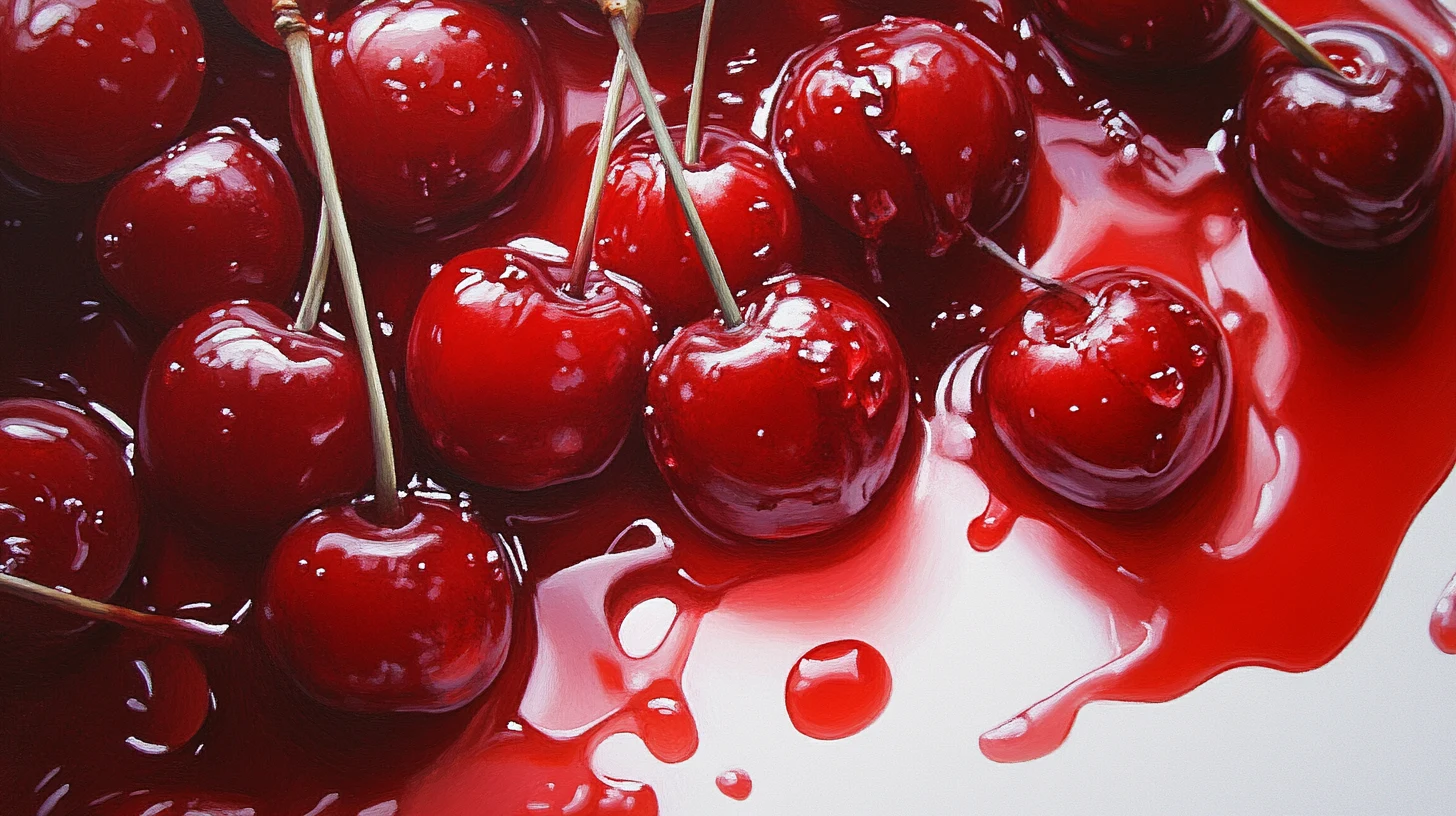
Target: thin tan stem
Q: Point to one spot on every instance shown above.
(91, 609)
(581, 261)
(1289, 37)
(692, 143)
(1053, 285)
(318, 276)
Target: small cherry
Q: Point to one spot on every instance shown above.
(215, 218)
(1114, 399)
(905, 132)
(435, 106)
(97, 87)
(169, 803)
(1356, 159)
(787, 424)
(251, 422)
(518, 385)
(1145, 35)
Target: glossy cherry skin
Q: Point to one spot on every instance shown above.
(68, 508)
(419, 138)
(1111, 405)
(786, 425)
(96, 87)
(414, 616)
(257, 15)
(251, 423)
(169, 803)
(515, 384)
(215, 218)
(942, 165)
(747, 207)
(1356, 163)
(1136, 35)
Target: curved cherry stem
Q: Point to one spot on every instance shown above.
(692, 142)
(291, 26)
(318, 276)
(732, 317)
(1052, 285)
(1289, 37)
(581, 261)
(185, 628)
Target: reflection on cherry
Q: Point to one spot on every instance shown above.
(1114, 404)
(865, 127)
(250, 422)
(786, 425)
(411, 616)
(215, 218)
(747, 207)
(1139, 35)
(92, 88)
(1356, 162)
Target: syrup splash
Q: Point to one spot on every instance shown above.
(837, 689)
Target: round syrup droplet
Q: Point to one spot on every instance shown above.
(836, 690)
(735, 784)
(1443, 619)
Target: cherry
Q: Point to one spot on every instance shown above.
(257, 15)
(169, 803)
(68, 508)
(747, 207)
(95, 87)
(1357, 161)
(414, 616)
(214, 218)
(433, 106)
(250, 422)
(904, 132)
(517, 385)
(1111, 404)
(786, 425)
(1141, 35)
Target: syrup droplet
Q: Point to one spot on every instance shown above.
(837, 689)
(1443, 619)
(664, 722)
(735, 784)
(989, 529)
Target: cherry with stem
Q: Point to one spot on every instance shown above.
(1289, 37)
(185, 628)
(1052, 285)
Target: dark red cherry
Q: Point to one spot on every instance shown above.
(257, 15)
(1357, 162)
(91, 88)
(786, 425)
(68, 508)
(515, 384)
(414, 616)
(433, 106)
(1112, 405)
(904, 131)
(249, 422)
(215, 218)
(1138, 35)
(169, 803)
(747, 207)
(659, 6)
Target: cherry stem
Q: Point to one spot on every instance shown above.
(318, 276)
(186, 628)
(692, 142)
(1052, 285)
(581, 262)
(732, 317)
(290, 24)
(1289, 37)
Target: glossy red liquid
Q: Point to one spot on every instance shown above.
(735, 784)
(162, 803)
(1128, 36)
(837, 690)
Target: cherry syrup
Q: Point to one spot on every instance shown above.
(1271, 554)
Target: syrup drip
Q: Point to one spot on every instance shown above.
(990, 528)
(837, 690)
(1443, 620)
(735, 784)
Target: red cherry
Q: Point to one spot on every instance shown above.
(433, 106)
(257, 15)
(214, 218)
(369, 617)
(165, 803)
(659, 6)
(515, 384)
(905, 131)
(1355, 163)
(747, 207)
(250, 422)
(68, 507)
(786, 425)
(1135, 35)
(1112, 405)
(95, 87)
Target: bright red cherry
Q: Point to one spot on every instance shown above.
(1135, 35)
(518, 385)
(414, 616)
(786, 425)
(1354, 162)
(215, 218)
(68, 508)
(169, 803)
(905, 131)
(1111, 404)
(257, 15)
(250, 422)
(95, 86)
(747, 207)
(433, 106)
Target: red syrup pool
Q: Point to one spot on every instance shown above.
(1271, 555)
